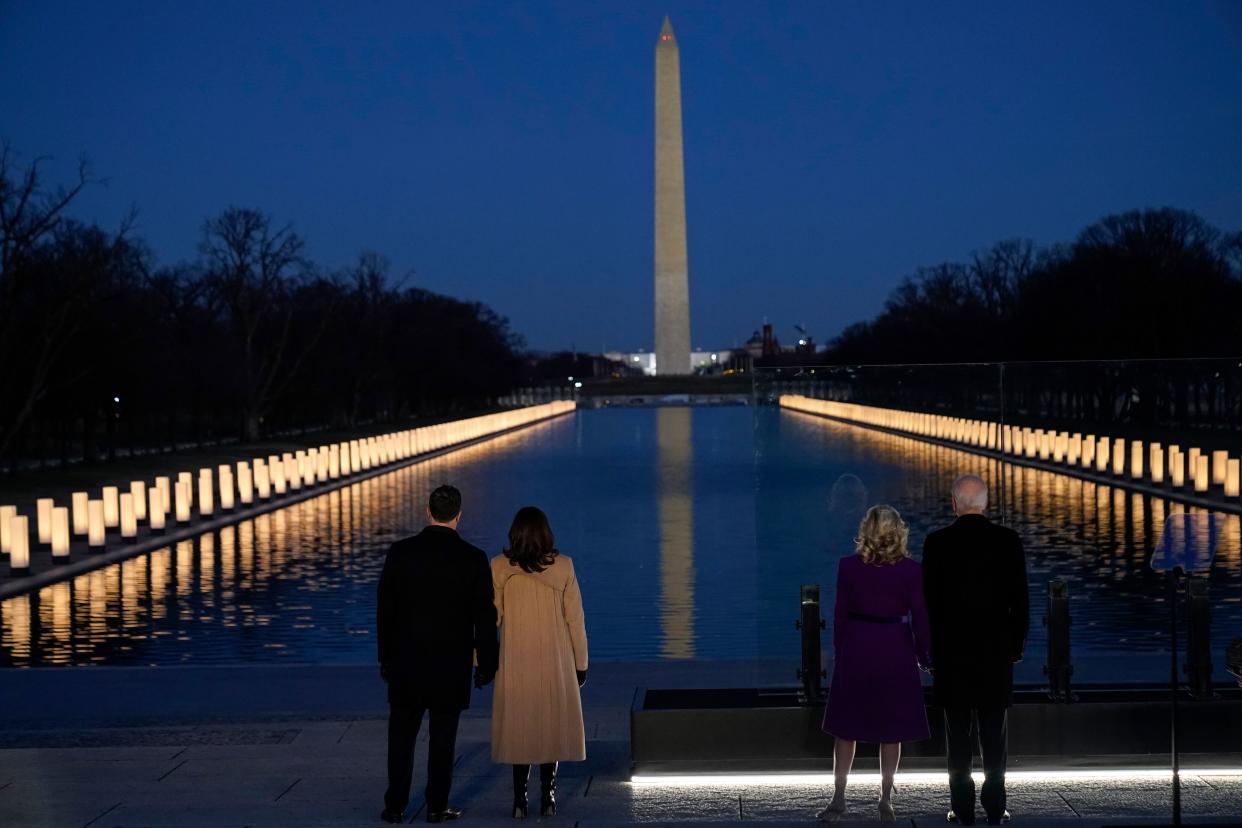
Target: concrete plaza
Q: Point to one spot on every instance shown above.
(305, 746)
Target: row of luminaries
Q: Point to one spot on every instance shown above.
(1192, 468)
(223, 489)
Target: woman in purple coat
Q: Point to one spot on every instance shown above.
(880, 635)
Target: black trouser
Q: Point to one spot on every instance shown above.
(403, 725)
(992, 723)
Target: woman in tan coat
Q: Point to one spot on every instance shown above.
(537, 710)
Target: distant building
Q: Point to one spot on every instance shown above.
(764, 348)
(701, 362)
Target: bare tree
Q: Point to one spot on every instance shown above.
(29, 212)
(370, 299)
(996, 273)
(251, 272)
(30, 215)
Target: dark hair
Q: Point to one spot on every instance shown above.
(531, 543)
(444, 503)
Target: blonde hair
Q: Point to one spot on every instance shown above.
(882, 537)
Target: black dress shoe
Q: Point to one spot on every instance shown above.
(393, 817)
(1003, 819)
(956, 820)
(447, 815)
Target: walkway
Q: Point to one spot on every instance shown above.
(304, 746)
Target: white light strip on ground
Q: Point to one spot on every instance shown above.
(719, 780)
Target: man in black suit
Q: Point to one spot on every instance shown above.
(435, 612)
(974, 582)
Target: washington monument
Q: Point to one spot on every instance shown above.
(672, 290)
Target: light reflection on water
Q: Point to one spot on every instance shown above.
(1095, 537)
(676, 505)
(691, 530)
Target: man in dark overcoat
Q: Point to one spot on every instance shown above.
(435, 616)
(974, 583)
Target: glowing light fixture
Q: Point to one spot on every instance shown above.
(276, 471)
(111, 507)
(1156, 461)
(245, 483)
(95, 529)
(129, 520)
(79, 501)
(228, 491)
(7, 513)
(181, 501)
(1177, 467)
(158, 509)
(165, 487)
(1220, 465)
(262, 481)
(206, 493)
(19, 545)
(138, 488)
(322, 465)
(60, 534)
(43, 519)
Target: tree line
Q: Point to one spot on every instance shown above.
(1157, 283)
(104, 347)
(1077, 324)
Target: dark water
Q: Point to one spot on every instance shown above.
(692, 530)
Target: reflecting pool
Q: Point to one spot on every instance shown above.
(691, 529)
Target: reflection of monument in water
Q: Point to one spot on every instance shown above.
(675, 505)
(672, 291)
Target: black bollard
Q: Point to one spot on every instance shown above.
(810, 623)
(1198, 668)
(1058, 667)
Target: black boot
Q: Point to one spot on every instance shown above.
(547, 786)
(521, 778)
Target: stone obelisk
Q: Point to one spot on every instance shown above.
(672, 290)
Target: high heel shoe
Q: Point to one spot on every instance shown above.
(521, 780)
(887, 814)
(547, 786)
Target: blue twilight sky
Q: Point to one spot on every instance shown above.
(502, 150)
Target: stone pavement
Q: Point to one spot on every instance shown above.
(260, 746)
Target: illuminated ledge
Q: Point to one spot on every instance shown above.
(725, 732)
(1014, 445)
(44, 573)
(724, 780)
